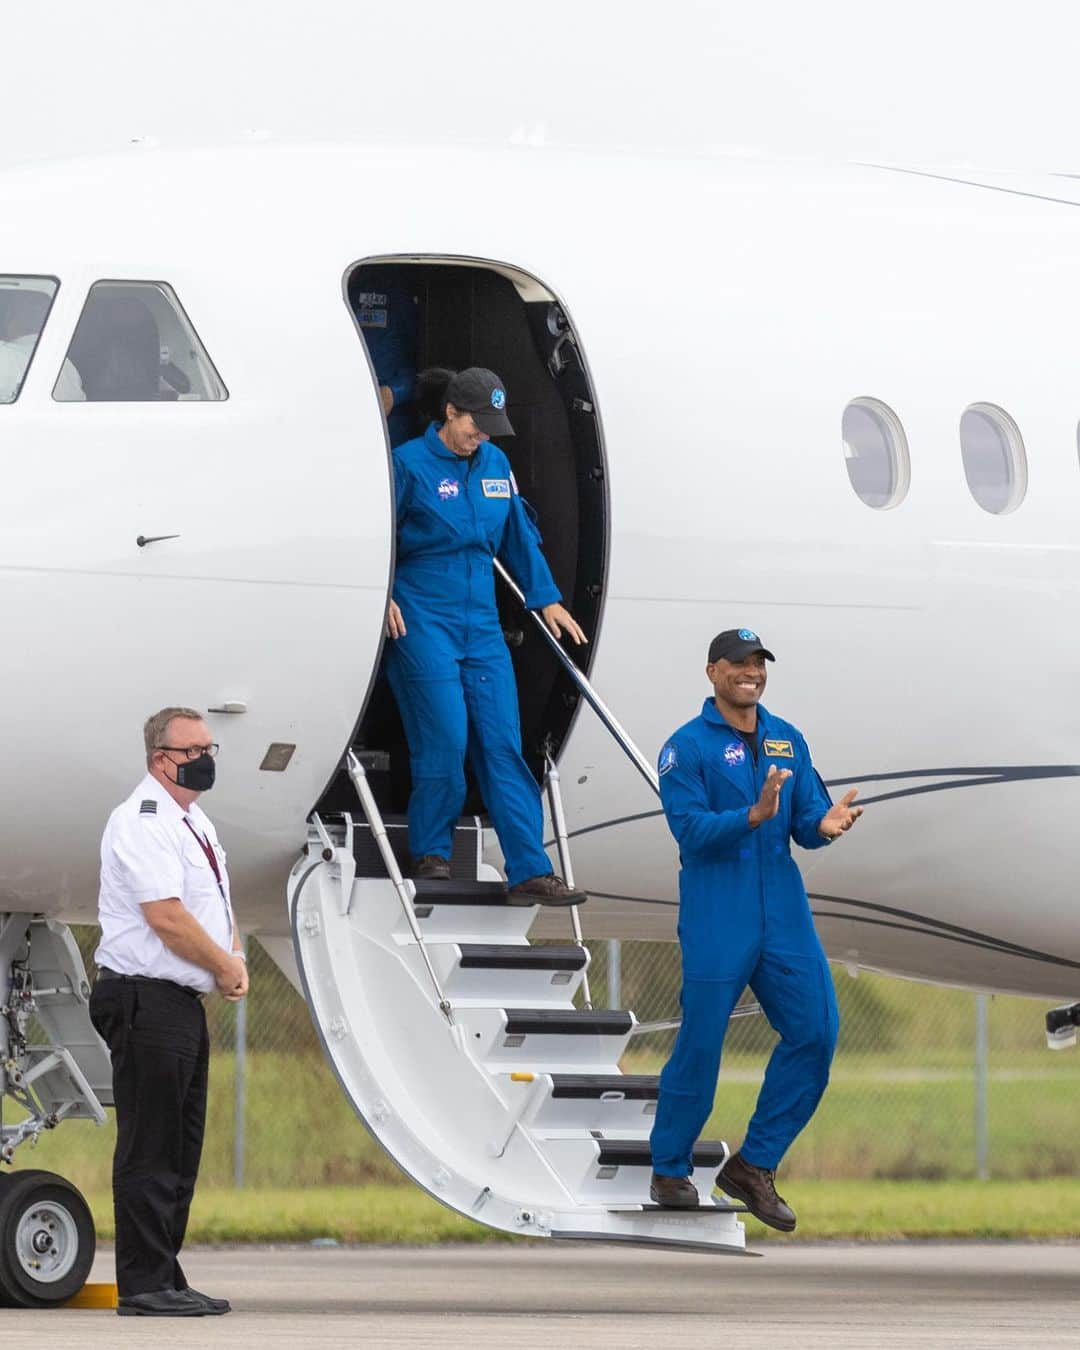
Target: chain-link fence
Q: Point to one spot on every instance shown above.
(913, 1093)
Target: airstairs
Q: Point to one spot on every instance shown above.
(461, 1044)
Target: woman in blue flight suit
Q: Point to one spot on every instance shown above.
(458, 507)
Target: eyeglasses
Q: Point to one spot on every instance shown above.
(192, 751)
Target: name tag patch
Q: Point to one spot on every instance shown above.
(778, 749)
(496, 487)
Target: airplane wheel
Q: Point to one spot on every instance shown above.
(47, 1240)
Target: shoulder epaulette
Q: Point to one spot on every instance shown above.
(148, 807)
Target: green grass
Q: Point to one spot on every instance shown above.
(878, 1121)
(854, 1210)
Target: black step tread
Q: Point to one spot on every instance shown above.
(554, 1022)
(698, 1209)
(637, 1153)
(638, 1087)
(507, 956)
(460, 892)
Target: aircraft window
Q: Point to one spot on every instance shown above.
(134, 343)
(995, 463)
(875, 453)
(24, 306)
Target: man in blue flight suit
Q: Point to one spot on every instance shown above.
(737, 784)
(458, 507)
(386, 313)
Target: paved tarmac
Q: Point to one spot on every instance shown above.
(561, 1297)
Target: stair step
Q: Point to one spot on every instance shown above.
(637, 1153)
(555, 1022)
(628, 1086)
(460, 892)
(496, 956)
(703, 1209)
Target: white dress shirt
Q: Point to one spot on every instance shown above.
(149, 851)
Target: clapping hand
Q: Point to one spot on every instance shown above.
(840, 818)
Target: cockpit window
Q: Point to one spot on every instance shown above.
(24, 306)
(134, 344)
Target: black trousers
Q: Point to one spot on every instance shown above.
(157, 1037)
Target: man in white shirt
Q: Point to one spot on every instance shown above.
(168, 937)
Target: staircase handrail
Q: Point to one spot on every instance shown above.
(606, 716)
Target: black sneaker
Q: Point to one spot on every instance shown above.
(161, 1303)
(431, 868)
(547, 890)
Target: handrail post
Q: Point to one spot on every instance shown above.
(405, 894)
(562, 843)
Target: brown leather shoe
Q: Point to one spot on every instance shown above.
(431, 868)
(754, 1187)
(549, 890)
(674, 1192)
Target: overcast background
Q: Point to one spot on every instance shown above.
(984, 84)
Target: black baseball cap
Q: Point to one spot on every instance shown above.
(481, 392)
(736, 644)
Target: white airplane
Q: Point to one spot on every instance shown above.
(833, 404)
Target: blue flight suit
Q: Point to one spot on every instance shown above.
(744, 919)
(386, 314)
(451, 673)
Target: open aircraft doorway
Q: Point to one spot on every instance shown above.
(420, 312)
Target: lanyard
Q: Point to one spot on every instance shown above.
(211, 858)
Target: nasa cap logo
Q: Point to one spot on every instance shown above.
(736, 644)
(481, 393)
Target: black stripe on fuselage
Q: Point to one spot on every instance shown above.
(917, 923)
(988, 776)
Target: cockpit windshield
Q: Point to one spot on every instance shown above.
(24, 306)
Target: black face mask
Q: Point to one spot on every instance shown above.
(196, 775)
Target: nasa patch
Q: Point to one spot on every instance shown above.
(748, 635)
(734, 752)
(669, 757)
(498, 399)
(449, 487)
(496, 487)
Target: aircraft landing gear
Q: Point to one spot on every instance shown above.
(53, 1067)
(47, 1240)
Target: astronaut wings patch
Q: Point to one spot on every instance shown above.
(778, 749)
(669, 757)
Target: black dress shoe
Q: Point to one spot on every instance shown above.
(161, 1303)
(548, 890)
(674, 1192)
(754, 1187)
(431, 868)
(214, 1306)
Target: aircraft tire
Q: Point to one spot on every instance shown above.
(47, 1240)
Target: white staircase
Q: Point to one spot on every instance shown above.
(460, 1046)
